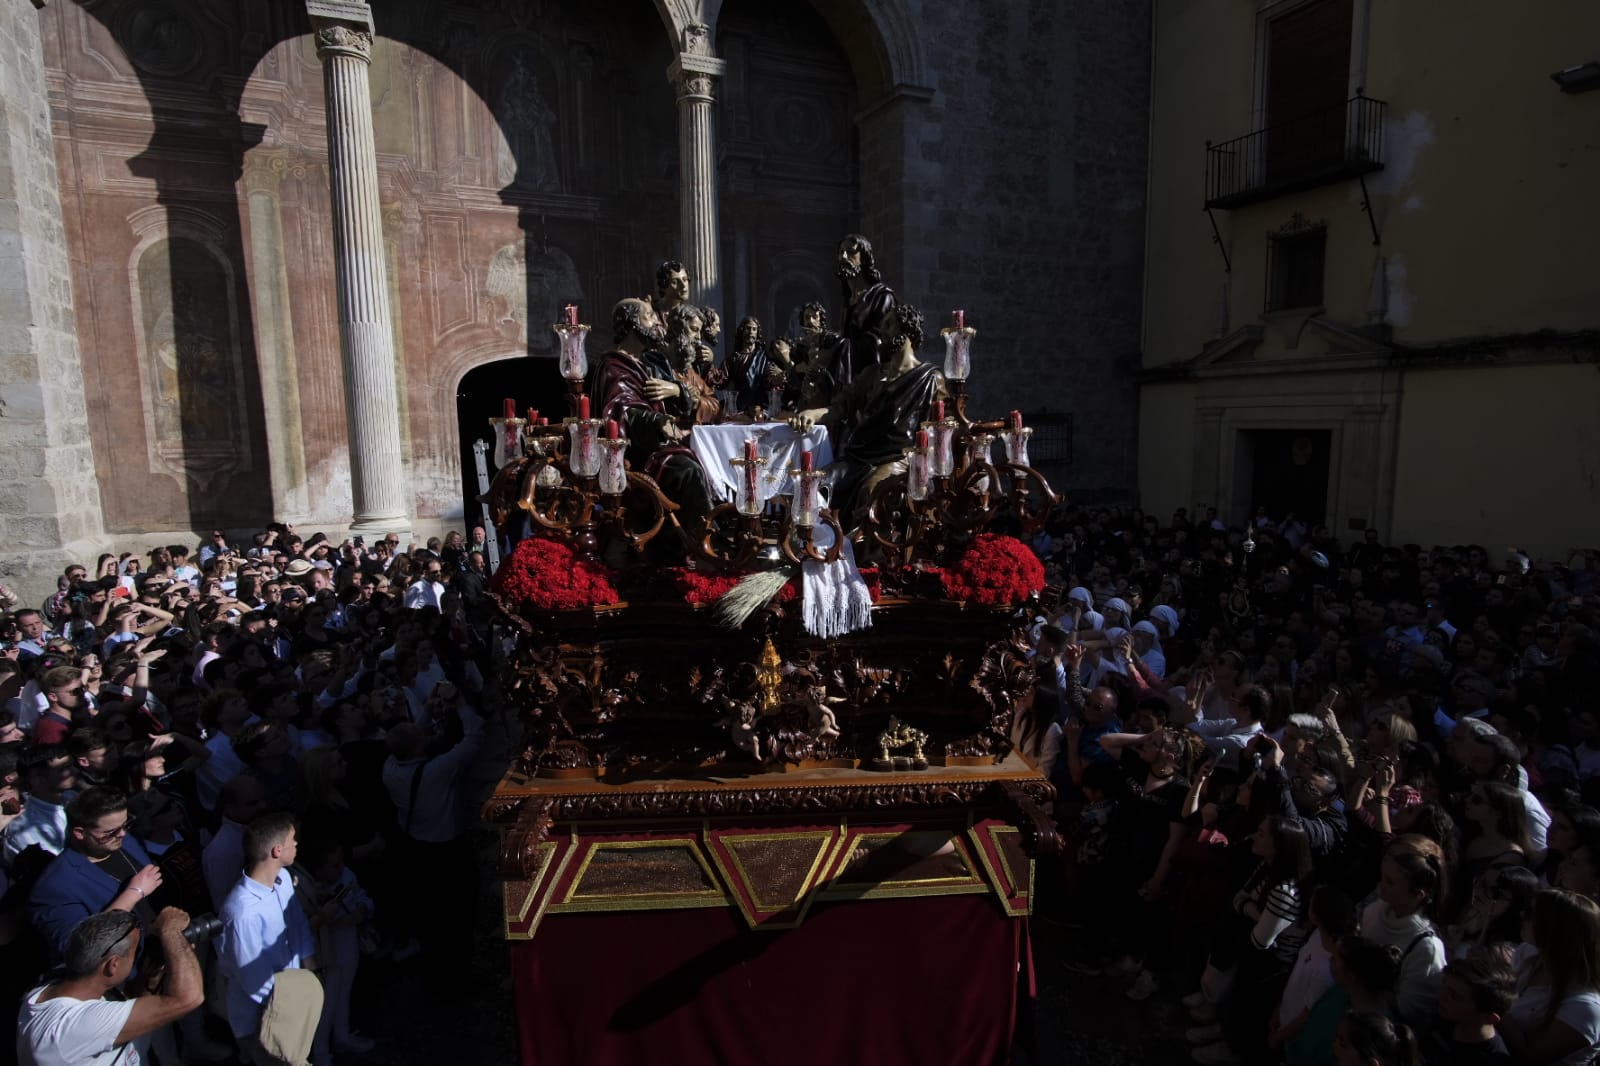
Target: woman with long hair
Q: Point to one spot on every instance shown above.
(1266, 932)
(1497, 820)
(1556, 1018)
(1501, 899)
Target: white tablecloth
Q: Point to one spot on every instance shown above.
(714, 446)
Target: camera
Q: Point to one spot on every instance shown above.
(201, 928)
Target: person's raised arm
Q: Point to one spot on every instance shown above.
(183, 989)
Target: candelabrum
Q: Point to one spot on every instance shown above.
(752, 530)
(952, 489)
(572, 479)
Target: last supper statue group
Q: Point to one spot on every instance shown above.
(770, 662)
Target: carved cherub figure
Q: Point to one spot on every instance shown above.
(740, 722)
(824, 724)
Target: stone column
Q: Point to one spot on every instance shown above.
(366, 339)
(50, 509)
(694, 74)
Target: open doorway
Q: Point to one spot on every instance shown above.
(530, 382)
(1288, 471)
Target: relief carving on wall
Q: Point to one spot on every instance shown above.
(160, 39)
(191, 368)
(515, 287)
(526, 155)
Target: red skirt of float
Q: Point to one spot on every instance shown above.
(863, 936)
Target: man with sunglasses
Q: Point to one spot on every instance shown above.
(70, 1020)
(102, 869)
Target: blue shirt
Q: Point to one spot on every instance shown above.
(72, 888)
(263, 931)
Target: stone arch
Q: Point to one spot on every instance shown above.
(883, 41)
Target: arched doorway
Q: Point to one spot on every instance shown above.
(481, 395)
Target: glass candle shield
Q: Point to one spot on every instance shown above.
(943, 437)
(958, 353)
(1016, 442)
(585, 454)
(807, 498)
(574, 357)
(613, 467)
(918, 465)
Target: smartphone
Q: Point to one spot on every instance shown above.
(359, 541)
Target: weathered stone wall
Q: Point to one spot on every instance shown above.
(49, 500)
(1016, 192)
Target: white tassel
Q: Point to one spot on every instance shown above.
(752, 593)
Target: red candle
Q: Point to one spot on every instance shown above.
(583, 407)
(750, 453)
(510, 408)
(807, 461)
(611, 429)
(544, 421)
(938, 411)
(958, 319)
(922, 438)
(1016, 421)
(569, 314)
(533, 416)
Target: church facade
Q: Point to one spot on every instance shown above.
(256, 251)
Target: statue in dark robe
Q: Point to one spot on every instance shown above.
(641, 393)
(869, 311)
(807, 361)
(877, 418)
(748, 372)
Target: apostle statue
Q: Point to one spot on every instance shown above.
(747, 374)
(685, 353)
(875, 420)
(869, 305)
(635, 387)
(672, 288)
(806, 361)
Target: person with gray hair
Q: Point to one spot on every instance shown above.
(70, 1022)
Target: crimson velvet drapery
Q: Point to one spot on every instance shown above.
(924, 981)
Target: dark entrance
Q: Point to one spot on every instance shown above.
(1288, 471)
(531, 382)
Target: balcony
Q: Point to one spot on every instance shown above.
(1318, 148)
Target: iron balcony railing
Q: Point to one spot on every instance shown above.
(1318, 148)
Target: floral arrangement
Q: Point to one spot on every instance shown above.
(995, 571)
(698, 587)
(547, 575)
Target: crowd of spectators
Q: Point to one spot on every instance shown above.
(227, 776)
(1344, 798)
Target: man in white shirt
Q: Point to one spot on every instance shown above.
(264, 932)
(428, 589)
(70, 1022)
(49, 777)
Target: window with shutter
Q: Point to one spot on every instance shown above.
(1308, 77)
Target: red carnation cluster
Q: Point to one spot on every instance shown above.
(874, 579)
(697, 587)
(546, 575)
(994, 571)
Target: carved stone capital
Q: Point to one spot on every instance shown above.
(342, 39)
(695, 76)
